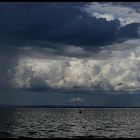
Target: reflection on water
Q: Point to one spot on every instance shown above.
(68, 123)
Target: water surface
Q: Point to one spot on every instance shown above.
(68, 123)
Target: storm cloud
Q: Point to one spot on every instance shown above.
(92, 46)
(66, 23)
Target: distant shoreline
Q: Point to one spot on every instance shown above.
(63, 107)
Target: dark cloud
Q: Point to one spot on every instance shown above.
(43, 29)
(53, 25)
(58, 22)
(130, 31)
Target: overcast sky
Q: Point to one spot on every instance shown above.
(70, 53)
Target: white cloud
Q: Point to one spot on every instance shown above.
(120, 71)
(125, 15)
(108, 17)
(76, 100)
(74, 50)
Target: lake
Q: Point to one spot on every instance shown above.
(69, 123)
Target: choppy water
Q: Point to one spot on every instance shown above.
(68, 123)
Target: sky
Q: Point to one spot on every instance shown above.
(70, 53)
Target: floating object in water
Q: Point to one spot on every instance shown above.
(80, 112)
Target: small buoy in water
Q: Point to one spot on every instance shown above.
(80, 112)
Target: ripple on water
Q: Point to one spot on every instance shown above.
(68, 123)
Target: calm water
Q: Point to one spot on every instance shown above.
(68, 123)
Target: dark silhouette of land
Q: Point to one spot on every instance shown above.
(61, 106)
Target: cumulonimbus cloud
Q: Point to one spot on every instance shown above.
(120, 71)
(76, 100)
